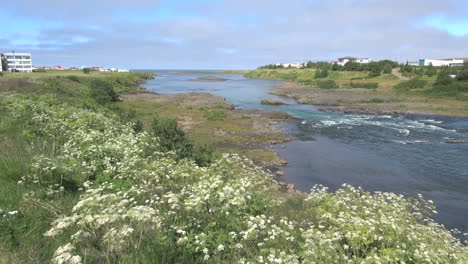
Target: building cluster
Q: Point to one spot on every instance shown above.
(440, 62)
(22, 62)
(344, 60)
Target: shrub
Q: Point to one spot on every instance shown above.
(328, 84)
(86, 70)
(409, 85)
(103, 92)
(321, 74)
(387, 69)
(372, 85)
(443, 78)
(463, 75)
(172, 138)
(39, 70)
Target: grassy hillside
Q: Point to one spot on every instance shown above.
(83, 182)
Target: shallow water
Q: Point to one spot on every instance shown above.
(402, 154)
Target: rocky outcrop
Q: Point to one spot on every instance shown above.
(269, 101)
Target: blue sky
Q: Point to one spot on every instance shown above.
(230, 34)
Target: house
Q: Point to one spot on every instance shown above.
(296, 65)
(344, 60)
(73, 68)
(57, 67)
(18, 62)
(442, 62)
(123, 70)
(413, 63)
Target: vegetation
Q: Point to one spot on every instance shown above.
(86, 70)
(80, 182)
(39, 70)
(409, 85)
(328, 84)
(366, 85)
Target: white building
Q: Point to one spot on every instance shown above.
(442, 62)
(295, 65)
(344, 60)
(20, 62)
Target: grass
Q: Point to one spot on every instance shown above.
(143, 205)
(228, 131)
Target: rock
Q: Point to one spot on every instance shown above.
(283, 162)
(279, 173)
(290, 186)
(272, 102)
(457, 141)
(283, 184)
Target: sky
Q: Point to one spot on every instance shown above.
(230, 34)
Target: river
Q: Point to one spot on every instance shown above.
(405, 154)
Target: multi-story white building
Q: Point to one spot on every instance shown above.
(20, 62)
(343, 61)
(442, 62)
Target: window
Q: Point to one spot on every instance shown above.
(18, 57)
(26, 57)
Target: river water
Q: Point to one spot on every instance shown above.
(405, 154)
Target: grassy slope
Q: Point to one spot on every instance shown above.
(425, 101)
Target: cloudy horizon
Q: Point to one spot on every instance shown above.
(209, 34)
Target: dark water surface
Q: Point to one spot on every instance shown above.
(403, 154)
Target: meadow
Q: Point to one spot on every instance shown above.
(83, 180)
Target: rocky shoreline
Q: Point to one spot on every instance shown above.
(360, 101)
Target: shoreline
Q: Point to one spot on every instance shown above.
(359, 101)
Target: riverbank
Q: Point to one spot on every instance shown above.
(211, 119)
(348, 97)
(83, 181)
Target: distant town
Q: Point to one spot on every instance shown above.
(22, 62)
(452, 62)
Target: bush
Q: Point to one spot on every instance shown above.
(321, 74)
(409, 85)
(328, 84)
(443, 78)
(372, 85)
(387, 69)
(103, 92)
(39, 70)
(463, 75)
(172, 138)
(86, 70)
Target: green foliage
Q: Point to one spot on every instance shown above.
(73, 78)
(370, 85)
(103, 92)
(387, 69)
(86, 70)
(321, 74)
(463, 75)
(39, 70)
(328, 84)
(139, 197)
(172, 138)
(409, 85)
(215, 115)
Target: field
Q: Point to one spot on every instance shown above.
(88, 178)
